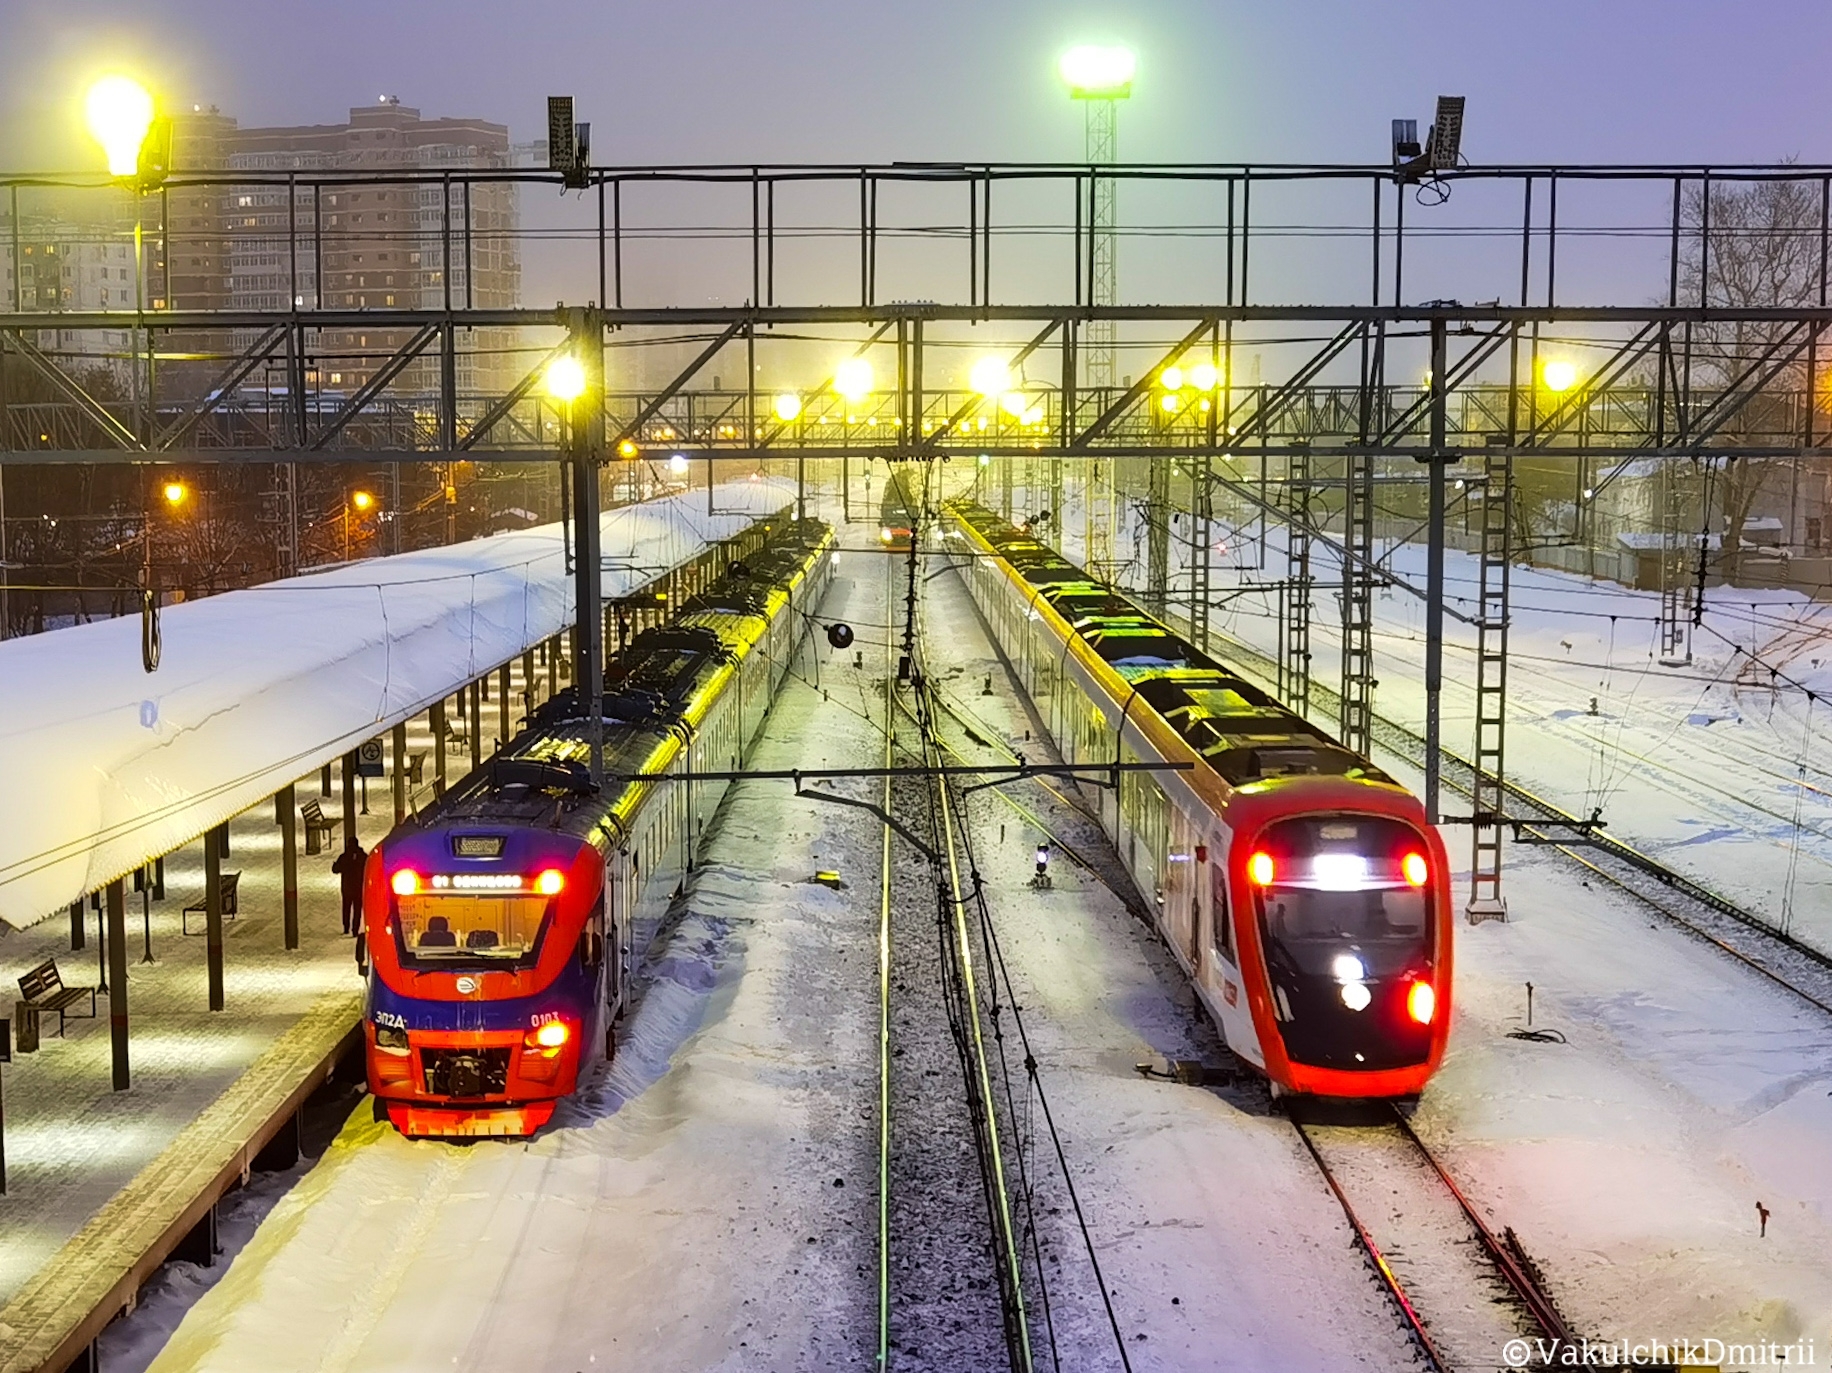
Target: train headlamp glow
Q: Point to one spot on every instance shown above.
(550, 882)
(884, 534)
(1260, 869)
(1348, 968)
(551, 1035)
(1339, 871)
(1415, 869)
(1422, 1002)
(1356, 996)
(405, 882)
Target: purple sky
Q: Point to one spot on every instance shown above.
(742, 80)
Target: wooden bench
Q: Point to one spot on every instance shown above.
(317, 828)
(226, 884)
(44, 991)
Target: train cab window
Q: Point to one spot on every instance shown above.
(1342, 886)
(469, 927)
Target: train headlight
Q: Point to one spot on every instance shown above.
(1415, 869)
(1356, 996)
(1348, 968)
(549, 1036)
(550, 882)
(884, 534)
(405, 882)
(1260, 869)
(1422, 1002)
(391, 1039)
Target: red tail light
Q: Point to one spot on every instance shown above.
(1260, 869)
(550, 882)
(405, 882)
(1416, 870)
(549, 1036)
(1422, 1002)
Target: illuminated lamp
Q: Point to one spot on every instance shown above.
(1422, 1002)
(1415, 869)
(566, 378)
(1260, 869)
(405, 882)
(120, 113)
(853, 379)
(550, 882)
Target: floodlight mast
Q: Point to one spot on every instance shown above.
(1100, 77)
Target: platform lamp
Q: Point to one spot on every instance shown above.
(568, 383)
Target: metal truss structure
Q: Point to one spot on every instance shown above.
(1330, 394)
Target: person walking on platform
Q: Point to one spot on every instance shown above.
(349, 869)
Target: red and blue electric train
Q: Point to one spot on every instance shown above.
(1301, 889)
(501, 919)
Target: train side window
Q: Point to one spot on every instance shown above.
(1222, 926)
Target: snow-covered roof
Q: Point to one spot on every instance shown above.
(107, 766)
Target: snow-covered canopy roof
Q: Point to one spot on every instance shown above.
(106, 766)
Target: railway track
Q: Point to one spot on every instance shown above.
(1464, 1293)
(951, 1295)
(1773, 953)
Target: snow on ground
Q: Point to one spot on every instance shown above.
(1631, 1159)
(708, 1203)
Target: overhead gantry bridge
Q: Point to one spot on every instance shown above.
(1334, 330)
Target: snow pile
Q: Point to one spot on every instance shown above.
(107, 766)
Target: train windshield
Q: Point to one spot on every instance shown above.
(494, 927)
(1340, 886)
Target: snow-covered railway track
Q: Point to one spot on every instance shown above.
(950, 1296)
(1464, 1293)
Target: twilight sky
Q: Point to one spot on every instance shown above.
(744, 80)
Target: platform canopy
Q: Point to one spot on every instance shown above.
(104, 766)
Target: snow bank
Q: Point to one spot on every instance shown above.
(105, 766)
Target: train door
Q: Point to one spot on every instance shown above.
(1224, 988)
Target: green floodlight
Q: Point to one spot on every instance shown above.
(1094, 72)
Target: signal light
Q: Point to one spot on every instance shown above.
(1259, 869)
(1422, 1002)
(550, 1036)
(550, 882)
(405, 882)
(1415, 868)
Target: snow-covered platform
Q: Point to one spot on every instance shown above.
(102, 1185)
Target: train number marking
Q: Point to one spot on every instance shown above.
(540, 1018)
(391, 1019)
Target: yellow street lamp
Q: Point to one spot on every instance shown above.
(120, 114)
(1205, 376)
(1558, 375)
(627, 448)
(175, 493)
(788, 407)
(362, 500)
(852, 379)
(990, 376)
(1172, 378)
(566, 378)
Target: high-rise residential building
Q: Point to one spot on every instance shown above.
(374, 246)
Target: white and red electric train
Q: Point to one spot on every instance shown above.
(1301, 889)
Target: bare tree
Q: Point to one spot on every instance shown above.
(1749, 245)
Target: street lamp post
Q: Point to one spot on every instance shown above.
(570, 380)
